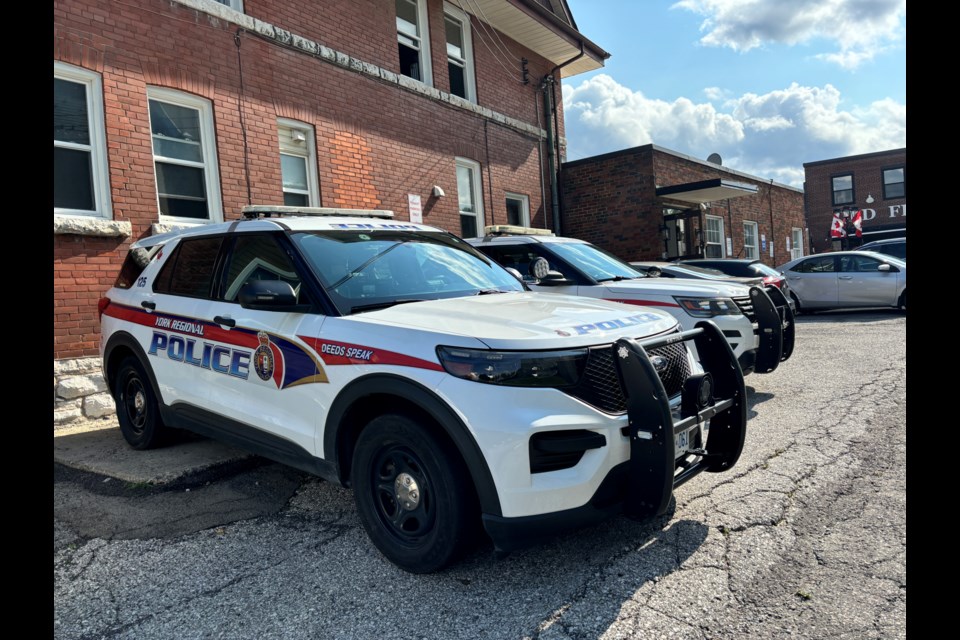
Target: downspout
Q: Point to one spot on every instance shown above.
(547, 87)
(773, 235)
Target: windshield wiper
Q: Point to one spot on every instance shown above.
(384, 305)
(619, 278)
(486, 292)
(366, 264)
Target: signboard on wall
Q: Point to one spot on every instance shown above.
(729, 246)
(416, 209)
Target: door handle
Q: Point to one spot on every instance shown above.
(845, 277)
(227, 322)
(146, 304)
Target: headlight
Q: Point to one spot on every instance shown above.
(708, 307)
(515, 368)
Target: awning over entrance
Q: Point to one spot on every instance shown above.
(707, 191)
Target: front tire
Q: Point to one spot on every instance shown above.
(137, 409)
(412, 497)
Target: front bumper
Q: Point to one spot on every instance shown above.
(642, 487)
(775, 328)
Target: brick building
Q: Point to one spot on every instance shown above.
(172, 113)
(874, 183)
(650, 203)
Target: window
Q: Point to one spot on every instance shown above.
(258, 257)
(796, 243)
(184, 155)
(459, 52)
(714, 237)
(189, 272)
(815, 265)
(469, 197)
(858, 264)
(843, 189)
(893, 183)
(80, 180)
(236, 5)
(298, 164)
(413, 40)
(750, 245)
(518, 210)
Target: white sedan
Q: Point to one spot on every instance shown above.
(847, 279)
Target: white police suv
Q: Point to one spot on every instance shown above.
(757, 321)
(394, 358)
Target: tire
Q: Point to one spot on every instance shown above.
(137, 409)
(413, 499)
(796, 303)
(902, 303)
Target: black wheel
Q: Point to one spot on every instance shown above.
(413, 499)
(902, 304)
(796, 303)
(137, 410)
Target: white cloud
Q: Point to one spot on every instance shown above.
(769, 136)
(860, 29)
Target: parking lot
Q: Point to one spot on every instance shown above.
(804, 538)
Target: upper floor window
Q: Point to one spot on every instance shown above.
(469, 198)
(713, 238)
(843, 189)
(298, 164)
(414, 43)
(81, 183)
(184, 155)
(751, 247)
(233, 4)
(459, 53)
(796, 247)
(894, 183)
(518, 210)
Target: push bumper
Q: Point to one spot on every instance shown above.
(775, 328)
(642, 487)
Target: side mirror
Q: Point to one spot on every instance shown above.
(268, 295)
(516, 274)
(654, 272)
(887, 267)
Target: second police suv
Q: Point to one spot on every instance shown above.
(396, 359)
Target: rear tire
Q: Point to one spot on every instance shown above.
(902, 304)
(137, 409)
(412, 496)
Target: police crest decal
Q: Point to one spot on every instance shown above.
(263, 357)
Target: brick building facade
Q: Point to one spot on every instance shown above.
(874, 183)
(172, 113)
(650, 203)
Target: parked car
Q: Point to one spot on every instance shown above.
(896, 247)
(657, 269)
(759, 329)
(847, 279)
(393, 358)
(741, 267)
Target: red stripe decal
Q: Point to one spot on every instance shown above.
(210, 331)
(334, 353)
(644, 303)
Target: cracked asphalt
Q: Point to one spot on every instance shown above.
(804, 538)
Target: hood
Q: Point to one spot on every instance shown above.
(676, 287)
(526, 320)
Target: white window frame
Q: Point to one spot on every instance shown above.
(208, 147)
(309, 154)
(751, 251)
(474, 168)
(796, 248)
(524, 207)
(467, 62)
(424, 51)
(236, 5)
(706, 236)
(100, 172)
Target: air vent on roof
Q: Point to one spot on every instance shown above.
(715, 159)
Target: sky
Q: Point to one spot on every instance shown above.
(767, 84)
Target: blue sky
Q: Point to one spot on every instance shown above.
(767, 84)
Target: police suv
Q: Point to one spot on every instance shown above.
(394, 358)
(756, 320)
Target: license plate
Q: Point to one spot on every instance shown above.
(681, 442)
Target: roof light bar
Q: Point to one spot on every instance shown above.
(255, 211)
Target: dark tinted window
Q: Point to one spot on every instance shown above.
(859, 264)
(190, 271)
(259, 258)
(133, 265)
(519, 257)
(815, 265)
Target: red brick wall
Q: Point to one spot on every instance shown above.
(392, 141)
(867, 171)
(611, 201)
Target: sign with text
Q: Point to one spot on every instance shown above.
(416, 209)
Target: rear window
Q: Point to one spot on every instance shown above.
(189, 272)
(133, 265)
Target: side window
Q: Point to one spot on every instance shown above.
(258, 257)
(133, 265)
(190, 271)
(859, 264)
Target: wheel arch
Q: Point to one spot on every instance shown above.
(118, 348)
(377, 394)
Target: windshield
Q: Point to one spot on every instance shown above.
(370, 269)
(595, 262)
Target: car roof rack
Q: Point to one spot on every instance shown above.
(257, 211)
(514, 230)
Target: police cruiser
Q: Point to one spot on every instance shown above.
(756, 320)
(394, 358)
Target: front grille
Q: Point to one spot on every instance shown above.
(600, 386)
(746, 307)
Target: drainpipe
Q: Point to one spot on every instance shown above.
(547, 87)
(773, 248)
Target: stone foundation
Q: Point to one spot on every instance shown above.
(80, 393)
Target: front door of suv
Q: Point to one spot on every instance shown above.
(280, 389)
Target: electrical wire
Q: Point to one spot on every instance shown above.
(484, 22)
(498, 57)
